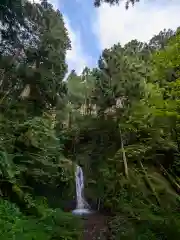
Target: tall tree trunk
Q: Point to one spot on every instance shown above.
(176, 137)
(69, 119)
(149, 183)
(2, 80)
(169, 177)
(26, 91)
(124, 156)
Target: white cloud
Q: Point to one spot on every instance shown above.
(76, 57)
(116, 24)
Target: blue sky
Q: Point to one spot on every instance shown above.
(91, 30)
(79, 16)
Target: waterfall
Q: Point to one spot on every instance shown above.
(82, 206)
(79, 188)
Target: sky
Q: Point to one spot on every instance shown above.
(93, 29)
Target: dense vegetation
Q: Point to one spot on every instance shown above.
(119, 121)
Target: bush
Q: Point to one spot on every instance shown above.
(55, 224)
(146, 222)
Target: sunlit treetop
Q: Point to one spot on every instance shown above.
(98, 3)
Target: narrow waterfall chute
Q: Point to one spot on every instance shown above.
(82, 206)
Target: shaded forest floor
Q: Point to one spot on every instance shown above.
(95, 227)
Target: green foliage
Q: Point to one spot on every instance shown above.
(158, 224)
(55, 224)
(120, 121)
(11, 16)
(133, 171)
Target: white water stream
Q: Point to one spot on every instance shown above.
(82, 206)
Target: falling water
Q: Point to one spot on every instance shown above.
(82, 206)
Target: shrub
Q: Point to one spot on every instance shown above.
(54, 225)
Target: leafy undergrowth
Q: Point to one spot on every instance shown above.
(160, 226)
(138, 218)
(137, 213)
(55, 224)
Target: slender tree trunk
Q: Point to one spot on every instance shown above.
(149, 183)
(99, 202)
(176, 136)
(124, 156)
(2, 80)
(170, 178)
(69, 119)
(26, 91)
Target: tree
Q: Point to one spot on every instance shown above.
(41, 65)
(160, 40)
(31, 86)
(11, 17)
(97, 3)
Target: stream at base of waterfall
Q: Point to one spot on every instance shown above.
(82, 207)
